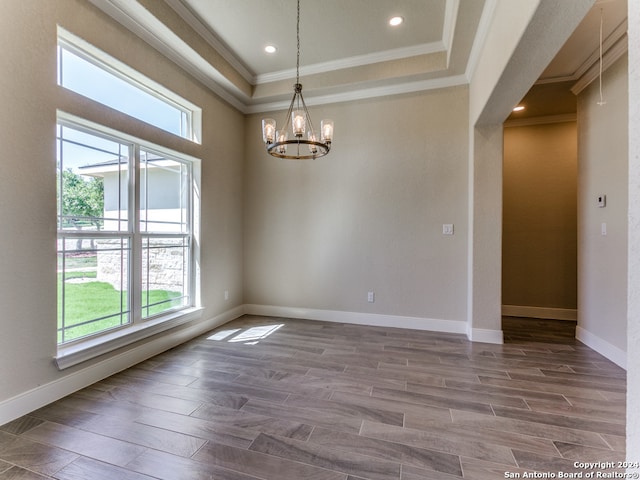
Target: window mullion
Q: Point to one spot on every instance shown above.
(190, 227)
(135, 265)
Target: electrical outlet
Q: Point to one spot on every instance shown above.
(370, 297)
(447, 228)
(602, 201)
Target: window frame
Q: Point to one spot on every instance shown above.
(82, 349)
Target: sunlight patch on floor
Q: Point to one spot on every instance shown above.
(250, 336)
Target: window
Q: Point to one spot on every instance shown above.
(90, 72)
(127, 210)
(164, 229)
(125, 231)
(94, 237)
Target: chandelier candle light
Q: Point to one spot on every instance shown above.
(299, 121)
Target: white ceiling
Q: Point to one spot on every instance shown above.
(348, 50)
(332, 32)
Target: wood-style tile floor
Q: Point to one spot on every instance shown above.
(278, 399)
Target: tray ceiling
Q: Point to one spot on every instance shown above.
(348, 49)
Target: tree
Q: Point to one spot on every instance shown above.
(82, 199)
(82, 202)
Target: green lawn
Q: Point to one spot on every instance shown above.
(92, 299)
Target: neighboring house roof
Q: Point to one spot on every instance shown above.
(112, 166)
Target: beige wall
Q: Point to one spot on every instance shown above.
(633, 289)
(502, 77)
(603, 169)
(368, 217)
(539, 236)
(30, 98)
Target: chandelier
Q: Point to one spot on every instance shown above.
(298, 119)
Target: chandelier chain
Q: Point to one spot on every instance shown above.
(298, 46)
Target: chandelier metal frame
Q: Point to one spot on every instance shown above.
(299, 120)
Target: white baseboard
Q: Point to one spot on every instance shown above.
(484, 335)
(358, 318)
(540, 312)
(604, 348)
(40, 396)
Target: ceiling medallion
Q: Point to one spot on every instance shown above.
(298, 148)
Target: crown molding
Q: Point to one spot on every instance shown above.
(548, 80)
(481, 35)
(608, 59)
(541, 120)
(203, 30)
(350, 62)
(449, 26)
(365, 93)
(146, 26)
(618, 33)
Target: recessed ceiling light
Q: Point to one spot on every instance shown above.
(395, 21)
(519, 108)
(270, 49)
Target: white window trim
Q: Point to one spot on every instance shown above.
(75, 353)
(88, 52)
(81, 350)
